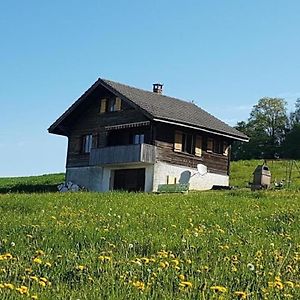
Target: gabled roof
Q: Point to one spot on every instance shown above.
(163, 109)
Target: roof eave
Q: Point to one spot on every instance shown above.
(231, 136)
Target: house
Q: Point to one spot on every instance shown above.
(121, 137)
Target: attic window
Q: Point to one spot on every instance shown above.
(110, 105)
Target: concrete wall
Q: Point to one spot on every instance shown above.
(185, 175)
(88, 177)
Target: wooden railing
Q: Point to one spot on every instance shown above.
(123, 154)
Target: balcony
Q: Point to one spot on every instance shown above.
(125, 154)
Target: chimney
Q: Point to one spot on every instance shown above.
(158, 88)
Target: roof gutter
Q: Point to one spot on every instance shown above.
(202, 129)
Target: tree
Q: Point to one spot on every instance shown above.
(268, 119)
(291, 146)
(295, 116)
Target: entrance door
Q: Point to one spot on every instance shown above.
(132, 180)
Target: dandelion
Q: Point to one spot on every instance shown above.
(181, 277)
(139, 285)
(22, 290)
(185, 284)
(37, 260)
(240, 295)
(218, 289)
(80, 268)
(9, 286)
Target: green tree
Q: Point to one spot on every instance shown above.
(291, 146)
(266, 128)
(269, 119)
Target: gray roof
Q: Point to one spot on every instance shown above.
(174, 110)
(161, 108)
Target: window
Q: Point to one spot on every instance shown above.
(210, 145)
(109, 105)
(183, 142)
(138, 139)
(198, 145)
(87, 142)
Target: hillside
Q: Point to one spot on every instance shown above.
(241, 175)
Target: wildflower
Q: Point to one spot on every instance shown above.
(34, 297)
(139, 285)
(42, 283)
(250, 267)
(104, 258)
(218, 289)
(44, 279)
(181, 277)
(185, 284)
(34, 278)
(22, 290)
(47, 264)
(37, 260)
(6, 256)
(80, 268)
(240, 295)
(9, 286)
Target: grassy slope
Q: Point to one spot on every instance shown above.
(145, 246)
(241, 172)
(31, 184)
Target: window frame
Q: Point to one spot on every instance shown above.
(87, 143)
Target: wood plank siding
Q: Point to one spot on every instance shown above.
(167, 145)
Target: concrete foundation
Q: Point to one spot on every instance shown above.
(101, 178)
(187, 175)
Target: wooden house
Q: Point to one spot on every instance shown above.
(121, 137)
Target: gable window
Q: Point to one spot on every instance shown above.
(183, 142)
(87, 143)
(110, 105)
(138, 139)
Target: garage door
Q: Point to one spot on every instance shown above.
(132, 180)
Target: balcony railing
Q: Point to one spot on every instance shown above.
(124, 154)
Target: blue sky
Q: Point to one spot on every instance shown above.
(224, 55)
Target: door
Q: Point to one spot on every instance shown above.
(132, 180)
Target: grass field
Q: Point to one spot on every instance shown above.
(205, 245)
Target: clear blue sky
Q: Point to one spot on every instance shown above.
(224, 55)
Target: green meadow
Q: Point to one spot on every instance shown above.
(233, 244)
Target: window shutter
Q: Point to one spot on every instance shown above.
(210, 144)
(178, 141)
(225, 148)
(118, 104)
(103, 106)
(198, 145)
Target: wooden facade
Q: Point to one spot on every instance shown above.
(128, 134)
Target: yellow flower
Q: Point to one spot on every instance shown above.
(34, 278)
(22, 290)
(47, 264)
(34, 297)
(218, 289)
(139, 285)
(241, 295)
(80, 268)
(181, 277)
(9, 286)
(44, 279)
(42, 283)
(185, 284)
(37, 260)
